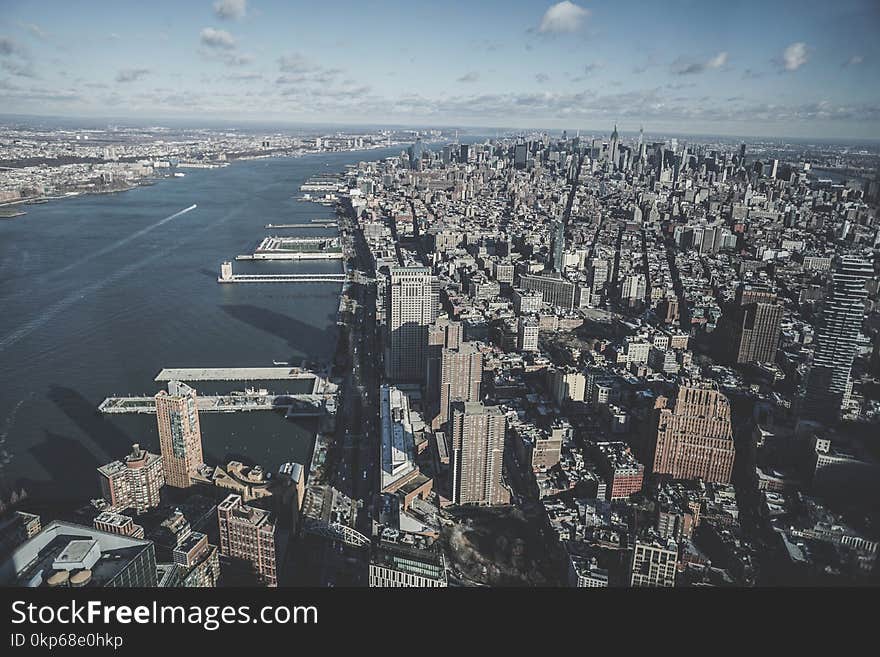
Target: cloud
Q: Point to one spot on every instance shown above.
(230, 9)
(16, 59)
(9, 47)
(246, 76)
(794, 56)
(855, 60)
(718, 60)
(131, 74)
(35, 30)
(471, 76)
(685, 66)
(294, 63)
(563, 17)
(541, 78)
(220, 39)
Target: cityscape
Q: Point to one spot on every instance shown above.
(567, 341)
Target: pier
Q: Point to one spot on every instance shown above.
(226, 276)
(307, 405)
(188, 375)
(315, 223)
(296, 248)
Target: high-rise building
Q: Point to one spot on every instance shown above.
(442, 334)
(694, 435)
(751, 326)
(413, 306)
(180, 437)
(134, 482)
(68, 555)
(461, 372)
(520, 156)
(477, 454)
(653, 563)
(248, 536)
(836, 340)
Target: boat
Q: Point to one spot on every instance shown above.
(281, 363)
(179, 174)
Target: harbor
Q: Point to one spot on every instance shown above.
(296, 248)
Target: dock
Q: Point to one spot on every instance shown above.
(313, 224)
(308, 405)
(187, 374)
(282, 278)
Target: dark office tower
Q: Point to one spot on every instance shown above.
(829, 379)
(557, 244)
(461, 371)
(478, 454)
(742, 154)
(463, 153)
(613, 146)
(180, 438)
(412, 308)
(520, 155)
(751, 326)
(695, 435)
(415, 153)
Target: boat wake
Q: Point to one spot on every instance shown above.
(31, 326)
(125, 240)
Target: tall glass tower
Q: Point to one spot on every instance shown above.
(828, 384)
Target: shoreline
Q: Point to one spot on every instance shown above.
(155, 180)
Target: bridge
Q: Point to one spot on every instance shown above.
(335, 531)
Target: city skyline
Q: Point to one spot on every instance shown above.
(684, 67)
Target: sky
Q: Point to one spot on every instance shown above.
(762, 68)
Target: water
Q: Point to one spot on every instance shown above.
(98, 293)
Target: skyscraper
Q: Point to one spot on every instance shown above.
(412, 307)
(180, 437)
(694, 435)
(133, 482)
(248, 536)
(442, 334)
(478, 454)
(751, 326)
(461, 371)
(842, 315)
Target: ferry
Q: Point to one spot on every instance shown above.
(179, 174)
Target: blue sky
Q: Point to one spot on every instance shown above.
(798, 69)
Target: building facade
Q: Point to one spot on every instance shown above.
(694, 435)
(248, 535)
(828, 383)
(134, 482)
(477, 454)
(180, 436)
(413, 306)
